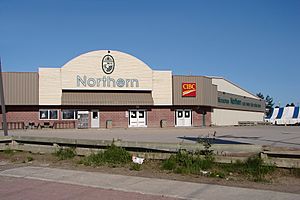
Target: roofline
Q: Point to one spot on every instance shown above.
(234, 85)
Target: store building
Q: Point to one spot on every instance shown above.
(101, 87)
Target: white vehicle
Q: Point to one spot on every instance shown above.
(284, 116)
(287, 114)
(295, 119)
(272, 116)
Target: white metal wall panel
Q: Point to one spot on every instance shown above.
(274, 115)
(286, 116)
(224, 85)
(50, 91)
(162, 87)
(224, 117)
(90, 66)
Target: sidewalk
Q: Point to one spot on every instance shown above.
(169, 188)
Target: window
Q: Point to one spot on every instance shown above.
(133, 114)
(48, 114)
(141, 114)
(69, 114)
(187, 114)
(95, 115)
(44, 114)
(53, 114)
(180, 114)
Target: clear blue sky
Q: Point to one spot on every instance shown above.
(254, 43)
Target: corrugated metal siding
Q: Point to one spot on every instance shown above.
(21, 88)
(206, 92)
(106, 98)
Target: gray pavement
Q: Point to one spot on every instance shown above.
(21, 188)
(261, 135)
(148, 186)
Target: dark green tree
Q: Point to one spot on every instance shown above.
(269, 102)
(260, 95)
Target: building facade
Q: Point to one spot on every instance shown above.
(111, 87)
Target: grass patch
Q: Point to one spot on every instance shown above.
(8, 151)
(136, 167)
(29, 159)
(113, 155)
(253, 168)
(295, 172)
(217, 174)
(187, 163)
(65, 153)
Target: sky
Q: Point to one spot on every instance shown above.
(253, 43)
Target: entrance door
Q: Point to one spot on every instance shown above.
(83, 119)
(183, 117)
(137, 118)
(94, 119)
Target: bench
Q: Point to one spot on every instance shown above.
(247, 123)
(47, 125)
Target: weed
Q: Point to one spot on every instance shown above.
(113, 155)
(218, 174)
(29, 158)
(206, 142)
(65, 153)
(254, 168)
(170, 164)
(136, 167)
(187, 163)
(8, 151)
(295, 172)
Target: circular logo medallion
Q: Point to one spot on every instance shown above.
(108, 64)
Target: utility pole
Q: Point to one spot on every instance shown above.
(4, 124)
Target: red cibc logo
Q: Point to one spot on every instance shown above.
(188, 89)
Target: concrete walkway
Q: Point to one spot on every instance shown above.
(177, 189)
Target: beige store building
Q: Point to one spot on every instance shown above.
(101, 88)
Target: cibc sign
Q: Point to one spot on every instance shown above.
(188, 89)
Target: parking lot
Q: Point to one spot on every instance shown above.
(262, 135)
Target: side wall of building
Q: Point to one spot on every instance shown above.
(118, 116)
(155, 115)
(162, 88)
(225, 117)
(224, 85)
(197, 118)
(50, 86)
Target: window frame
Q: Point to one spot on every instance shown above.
(48, 112)
(75, 112)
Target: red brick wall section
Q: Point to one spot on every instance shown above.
(198, 118)
(21, 116)
(28, 116)
(208, 118)
(155, 115)
(119, 119)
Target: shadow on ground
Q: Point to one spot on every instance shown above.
(212, 140)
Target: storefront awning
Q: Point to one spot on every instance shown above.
(115, 98)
